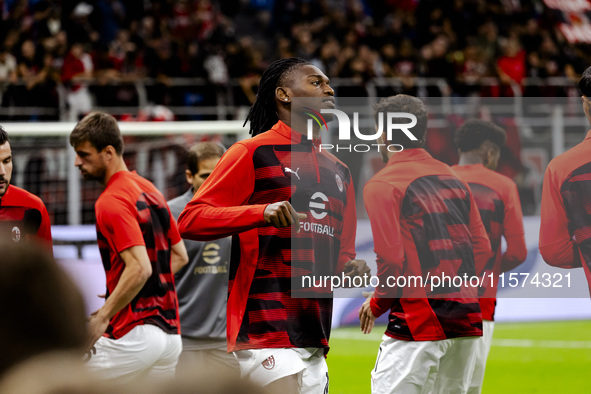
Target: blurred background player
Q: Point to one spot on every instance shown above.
(255, 193)
(202, 285)
(479, 145)
(136, 332)
(565, 223)
(22, 214)
(424, 221)
(42, 309)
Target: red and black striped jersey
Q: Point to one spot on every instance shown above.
(498, 202)
(24, 216)
(425, 223)
(131, 212)
(565, 227)
(264, 310)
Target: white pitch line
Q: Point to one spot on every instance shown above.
(542, 343)
(528, 343)
(357, 337)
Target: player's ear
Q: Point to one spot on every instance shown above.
(488, 157)
(381, 138)
(109, 151)
(282, 94)
(189, 177)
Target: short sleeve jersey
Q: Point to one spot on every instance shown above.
(500, 209)
(24, 216)
(132, 212)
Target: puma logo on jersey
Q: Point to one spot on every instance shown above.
(289, 170)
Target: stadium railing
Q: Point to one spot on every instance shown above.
(222, 103)
(154, 148)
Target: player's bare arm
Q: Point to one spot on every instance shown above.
(282, 214)
(179, 257)
(366, 317)
(135, 274)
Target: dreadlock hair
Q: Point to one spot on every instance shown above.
(263, 113)
(475, 131)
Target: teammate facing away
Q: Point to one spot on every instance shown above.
(23, 215)
(479, 145)
(136, 332)
(565, 236)
(202, 285)
(425, 222)
(262, 192)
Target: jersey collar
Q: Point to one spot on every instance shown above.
(475, 166)
(294, 136)
(118, 175)
(409, 155)
(6, 194)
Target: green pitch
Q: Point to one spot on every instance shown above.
(547, 357)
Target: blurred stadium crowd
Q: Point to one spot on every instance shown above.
(94, 52)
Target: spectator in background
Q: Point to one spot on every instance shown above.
(8, 74)
(511, 68)
(163, 63)
(406, 67)
(77, 72)
(37, 76)
(472, 69)
(436, 31)
(438, 64)
(326, 55)
(202, 285)
(80, 25)
(8, 71)
(29, 62)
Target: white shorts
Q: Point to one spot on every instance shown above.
(145, 351)
(264, 366)
(423, 366)
(482, 350)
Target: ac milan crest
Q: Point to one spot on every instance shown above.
(16, 234)
(269, 363)
(339, 182)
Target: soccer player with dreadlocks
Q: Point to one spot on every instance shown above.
(287, 205)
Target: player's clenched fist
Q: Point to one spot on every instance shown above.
(355, 268)
(281, 214)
